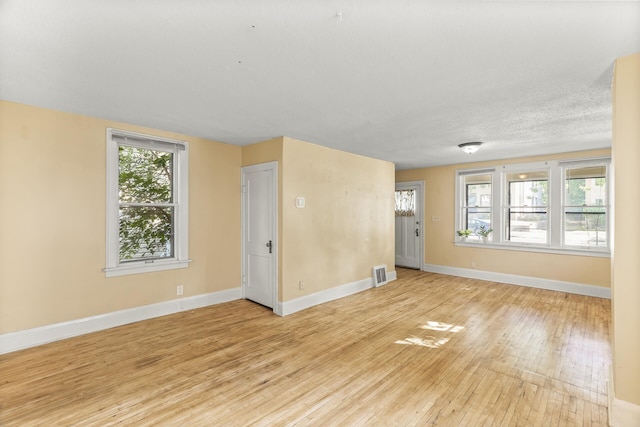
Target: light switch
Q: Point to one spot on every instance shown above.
(299, 202)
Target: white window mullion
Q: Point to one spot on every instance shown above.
(555, 228)
(498, 206)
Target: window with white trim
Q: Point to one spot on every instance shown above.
(545, 206)
(526, 207)
(585, 205)
(475, 208)
(147, 203)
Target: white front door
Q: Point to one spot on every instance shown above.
(409, 241)
(259, 183)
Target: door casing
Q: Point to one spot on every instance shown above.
(418, 186)
(273, 167)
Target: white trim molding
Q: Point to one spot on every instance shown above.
(180, 203)
(420, 225)
(621, 413)
(497, 211)
(307, 301)
(273, 227)
(514, 279)
(19, 340)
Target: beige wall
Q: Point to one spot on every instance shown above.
(347, 226)
(52, 221)
(439, 236)
(626, 243)
(52, 218)
(263, 152)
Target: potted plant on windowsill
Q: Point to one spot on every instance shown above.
(484, 232)
(463, 234)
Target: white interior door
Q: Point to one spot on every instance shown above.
(409, 240)
(259, 267)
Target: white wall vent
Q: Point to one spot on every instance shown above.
(379, 275)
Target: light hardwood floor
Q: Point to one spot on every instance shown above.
(426, 349)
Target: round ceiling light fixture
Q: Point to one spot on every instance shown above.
(470, 147)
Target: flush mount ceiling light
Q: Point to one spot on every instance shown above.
(470, 147)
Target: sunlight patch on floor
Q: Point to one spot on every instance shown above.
(431, 342)
(439, 326)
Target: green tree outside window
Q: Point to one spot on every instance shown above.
(147, 209)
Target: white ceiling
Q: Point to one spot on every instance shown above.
(400, 80)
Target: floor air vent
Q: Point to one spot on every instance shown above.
(379, 275)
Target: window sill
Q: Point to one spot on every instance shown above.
(142, 267)
(539, 249)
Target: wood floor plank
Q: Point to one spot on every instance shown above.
(426, 349)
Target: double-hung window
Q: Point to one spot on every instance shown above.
(585, 205)
(527, 207)
(557, 205)
(147, 202)
(476, 205)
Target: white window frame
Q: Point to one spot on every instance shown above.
(461, 194)
(606, 162)
(180, 149)
(555, 217)
(505, 206)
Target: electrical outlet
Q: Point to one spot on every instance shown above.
(301, 285)
(473, 264)
(179, 290)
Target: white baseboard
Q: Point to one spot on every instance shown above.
(513, 279)
(289, 307)
(19, 340)
(621, 413)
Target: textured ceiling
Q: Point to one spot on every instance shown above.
(404, 81)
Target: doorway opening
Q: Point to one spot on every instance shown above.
(409, 228)
(259, 234)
